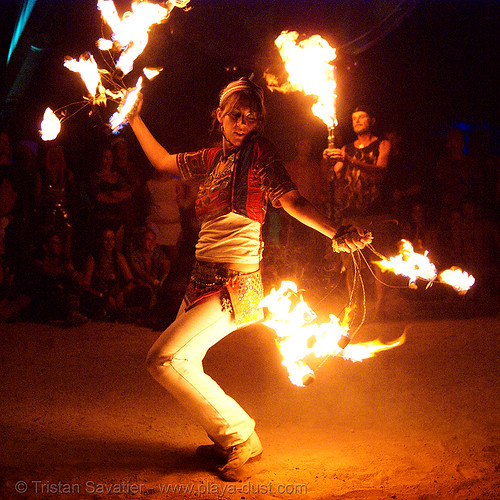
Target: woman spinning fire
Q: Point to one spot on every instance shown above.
(237, 181)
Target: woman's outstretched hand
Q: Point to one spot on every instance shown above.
(136, 108)
(350, 238)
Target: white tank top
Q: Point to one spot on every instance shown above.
(230, 238)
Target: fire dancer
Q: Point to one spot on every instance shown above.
(358, 174)
(225, 290)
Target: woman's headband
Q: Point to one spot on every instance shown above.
(242, 85)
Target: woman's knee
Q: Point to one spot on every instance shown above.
(157, 363)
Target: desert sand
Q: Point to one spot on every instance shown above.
(82, 418)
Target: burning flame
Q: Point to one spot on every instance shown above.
(300, 337)
(119, 118)
(151, 73)
(410, 264)
(461, 281)
(130, 32)
(309, 68)
(88, 70)
(130, 37)
(50, 126)
(128, 40)
(414, 266)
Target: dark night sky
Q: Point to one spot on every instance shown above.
(439, 67)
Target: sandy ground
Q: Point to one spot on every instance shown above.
(81, 417)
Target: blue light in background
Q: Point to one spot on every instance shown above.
(21, 23)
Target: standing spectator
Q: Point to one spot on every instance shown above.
(171, 216)
(460, 176)
(481, 248)
(59, 196)
(306, 173)
(165, 194)
(358, 179)
(488, 162)
(403, 182)
(28, 185)
(134, 207)
(28, 181)
(360, 169)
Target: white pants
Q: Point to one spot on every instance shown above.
(175, 361)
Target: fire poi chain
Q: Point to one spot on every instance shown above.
(128, 39)
(416, 266)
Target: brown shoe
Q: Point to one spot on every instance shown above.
(237, 456)
(214, 452)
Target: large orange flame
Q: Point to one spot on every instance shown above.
(309, 68)
(86, 66)
(417, 266)
(299, 336)
(130, 32)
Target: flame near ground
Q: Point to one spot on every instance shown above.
(300, 337)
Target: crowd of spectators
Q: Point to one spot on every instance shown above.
(106, 246)
(120, 246)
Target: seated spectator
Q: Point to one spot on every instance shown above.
(110, 193)
(419, 231)
(12, 302)
(149, 264)
(108, 282)
(151, 267)
(55, 293)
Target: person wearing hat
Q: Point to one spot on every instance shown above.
(361, 164)
(358, 176)
(237, 180)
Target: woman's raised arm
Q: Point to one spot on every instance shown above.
(156, 153)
